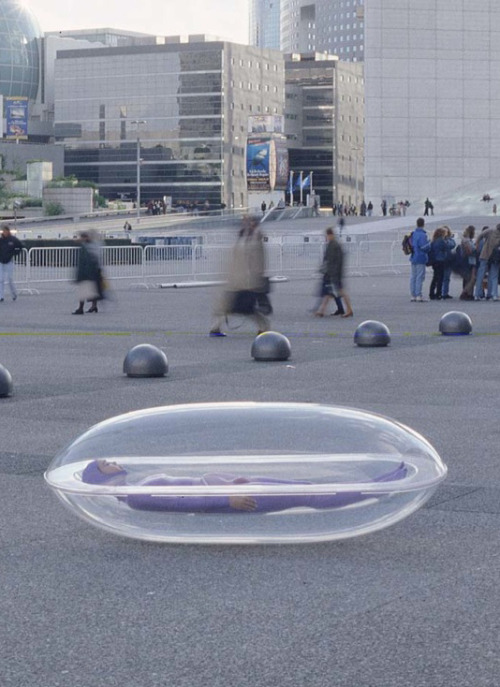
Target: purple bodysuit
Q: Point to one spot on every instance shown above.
(264, 503)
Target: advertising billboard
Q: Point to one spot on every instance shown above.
(282, 166)
(16, 118)
(266, 124)
(267, 164)
(261, 164)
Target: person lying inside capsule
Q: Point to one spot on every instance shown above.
(103, 472)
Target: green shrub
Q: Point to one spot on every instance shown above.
(51, 209)
(32, 202)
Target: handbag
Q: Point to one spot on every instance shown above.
(244, 302)
(263, 304)
(495, 256)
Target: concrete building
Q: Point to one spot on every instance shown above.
(184, 105)
(324, 124)
(332, 26)
(112, 38)
(264, 23)
(432, 98)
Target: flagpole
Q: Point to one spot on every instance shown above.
(311, 183)
(290, 187)
(300, 186)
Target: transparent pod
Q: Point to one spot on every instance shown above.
(246, 473)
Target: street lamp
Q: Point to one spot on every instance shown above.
(355, 149)
(137, 123)
(16, 205)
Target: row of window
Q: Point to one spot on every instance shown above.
(249, 63)
(255, 87)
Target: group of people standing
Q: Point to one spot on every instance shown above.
(475, 259)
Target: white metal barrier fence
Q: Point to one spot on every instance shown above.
(201, 261)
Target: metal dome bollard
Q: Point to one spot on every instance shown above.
(6, 386)
(271, 346)
(145, 360)
(455, 323)
(372, 334)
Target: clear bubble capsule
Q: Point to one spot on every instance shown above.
(246, 473)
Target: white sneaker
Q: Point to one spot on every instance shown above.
(412, 300)
(420, 299)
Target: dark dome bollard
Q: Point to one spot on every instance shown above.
(145, 360)
(6, 386)
(455, 323)
(372, 334)
(271, 346)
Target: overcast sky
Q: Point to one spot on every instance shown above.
(222, 18)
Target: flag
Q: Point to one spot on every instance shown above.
(307, 182)
(289, 188)
(298, 184)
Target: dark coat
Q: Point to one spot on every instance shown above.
(88, 266)
(334, 261)
(9, 247)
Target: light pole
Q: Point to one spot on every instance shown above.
(16, 205)
(355, 149)
(137, 123)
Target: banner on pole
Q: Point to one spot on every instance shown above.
(16, 116)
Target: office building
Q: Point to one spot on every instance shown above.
(432, 98)
(264, 23)
(185, 105)
(332, 26)
(324, 125)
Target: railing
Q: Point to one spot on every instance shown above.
(152, 264)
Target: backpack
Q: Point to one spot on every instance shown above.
(407, 244)
(460, 260)
(495, 256)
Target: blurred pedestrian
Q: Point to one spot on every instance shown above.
(247, 286)
(89, 276)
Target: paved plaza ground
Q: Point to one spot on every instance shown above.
(416, 604)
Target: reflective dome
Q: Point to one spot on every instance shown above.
(246, 473)
(19, 50)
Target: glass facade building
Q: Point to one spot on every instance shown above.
(324, 124)
(188, 103)
(19, 51)
(333, 26)
(265, 23)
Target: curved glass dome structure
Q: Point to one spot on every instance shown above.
(246, 473)
(19, 50)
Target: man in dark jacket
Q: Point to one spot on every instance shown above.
(10, 246)
(333, 269)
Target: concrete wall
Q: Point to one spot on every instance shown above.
(39, 174)
(75, 201)
(16, 156)
(432, 97)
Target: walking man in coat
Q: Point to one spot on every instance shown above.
(333, 269)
